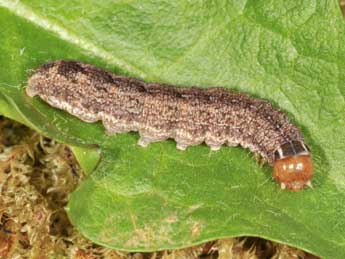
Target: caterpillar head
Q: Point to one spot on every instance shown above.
(294, 172)
(293, 166)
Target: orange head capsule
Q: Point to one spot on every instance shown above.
(293, 172)
(293, 167)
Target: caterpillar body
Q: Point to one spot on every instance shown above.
(191, 116)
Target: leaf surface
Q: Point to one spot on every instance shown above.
(289, 52)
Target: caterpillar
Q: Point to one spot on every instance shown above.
(191, 116)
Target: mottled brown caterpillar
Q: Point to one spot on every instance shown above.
(191, 116)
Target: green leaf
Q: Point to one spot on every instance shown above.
(289, 52)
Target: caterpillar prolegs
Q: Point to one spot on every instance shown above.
(191, 116)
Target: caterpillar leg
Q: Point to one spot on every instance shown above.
(231, 143)
(110, 129)
(260, 160)
(213, 142)
(215, 147)
(181, 146)
(113, 126)
(144, 142)
(309, 184)
(147, 137)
